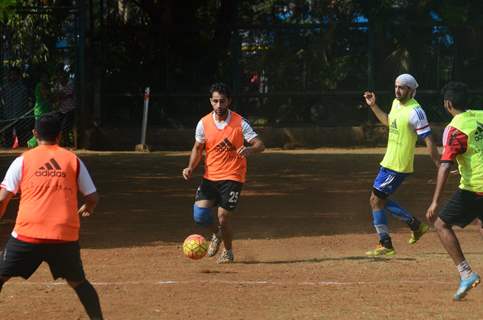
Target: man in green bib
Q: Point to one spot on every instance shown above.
(463, 141)
(407, 122)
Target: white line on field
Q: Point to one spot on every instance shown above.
(237, 282)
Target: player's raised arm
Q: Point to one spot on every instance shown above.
(371, 102)
(195, 158)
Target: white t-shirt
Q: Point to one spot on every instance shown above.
(12, 179)
(248, 133)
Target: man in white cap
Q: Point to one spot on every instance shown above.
(407, 122)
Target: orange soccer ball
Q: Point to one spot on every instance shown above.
(195, 246)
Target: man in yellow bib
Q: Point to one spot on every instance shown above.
(407, 122)
(463, 141)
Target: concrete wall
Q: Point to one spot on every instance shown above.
(298, 137)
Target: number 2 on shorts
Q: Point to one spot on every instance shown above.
(233, 197)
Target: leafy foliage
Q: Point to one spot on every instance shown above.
(32, 35)
(6, 9)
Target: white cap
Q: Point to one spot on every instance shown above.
(407, 80)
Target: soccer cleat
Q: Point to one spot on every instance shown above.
(226, 256)
(381, 251)
(416, 235)
(214, 245)
(466, 285)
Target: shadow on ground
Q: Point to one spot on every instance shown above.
(145, 200)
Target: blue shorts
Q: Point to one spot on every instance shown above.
(387, 182)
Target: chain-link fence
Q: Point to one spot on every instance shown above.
(16, 110)
(289, 63)
(306, 75)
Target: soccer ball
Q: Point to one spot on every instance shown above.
(195, 247)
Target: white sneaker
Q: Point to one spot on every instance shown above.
(214, 245)
(226, 257)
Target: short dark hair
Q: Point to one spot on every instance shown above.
(457, 93)
(48, 127)
(221, 88)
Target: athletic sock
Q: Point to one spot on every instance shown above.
(464, 269)
(386, 242)
(380, 223)
(89, 299)
(399, 212)
(414, 224)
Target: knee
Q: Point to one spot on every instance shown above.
(440, 225)
(372, 199)
(375, 202)
(223, 216)
(202, 216)
(74, 284)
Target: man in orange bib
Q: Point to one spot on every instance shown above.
(47, 226)
(222, 134)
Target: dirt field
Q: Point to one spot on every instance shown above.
(302, 228)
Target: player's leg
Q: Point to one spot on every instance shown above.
(460, 210)
(88, 297)
(379, 220)
(393, 181)
(203, 215)
(449, 241)
(377, 202)
(229, 194)
(205, 199)
(65, 262)
(19, 259)
(224, 216)
(226, 255)
(417, 227)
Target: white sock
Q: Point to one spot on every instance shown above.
(464, 269)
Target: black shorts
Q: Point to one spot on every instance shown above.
(463, 207)
(225, 193)
(21, 259)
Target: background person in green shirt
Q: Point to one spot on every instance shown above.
(407, 122)
(463, 142)
(42, 104)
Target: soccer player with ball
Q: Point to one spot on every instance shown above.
(407, 122)
(222, 135)
(463, 142)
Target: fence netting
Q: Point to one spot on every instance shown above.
(17, 119)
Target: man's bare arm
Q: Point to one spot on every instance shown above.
(371, 102)
(195, 158)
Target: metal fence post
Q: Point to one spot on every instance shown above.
(142, 146)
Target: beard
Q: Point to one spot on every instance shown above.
(221, 111)
(403, 97)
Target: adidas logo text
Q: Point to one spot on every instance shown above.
(50, 169)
